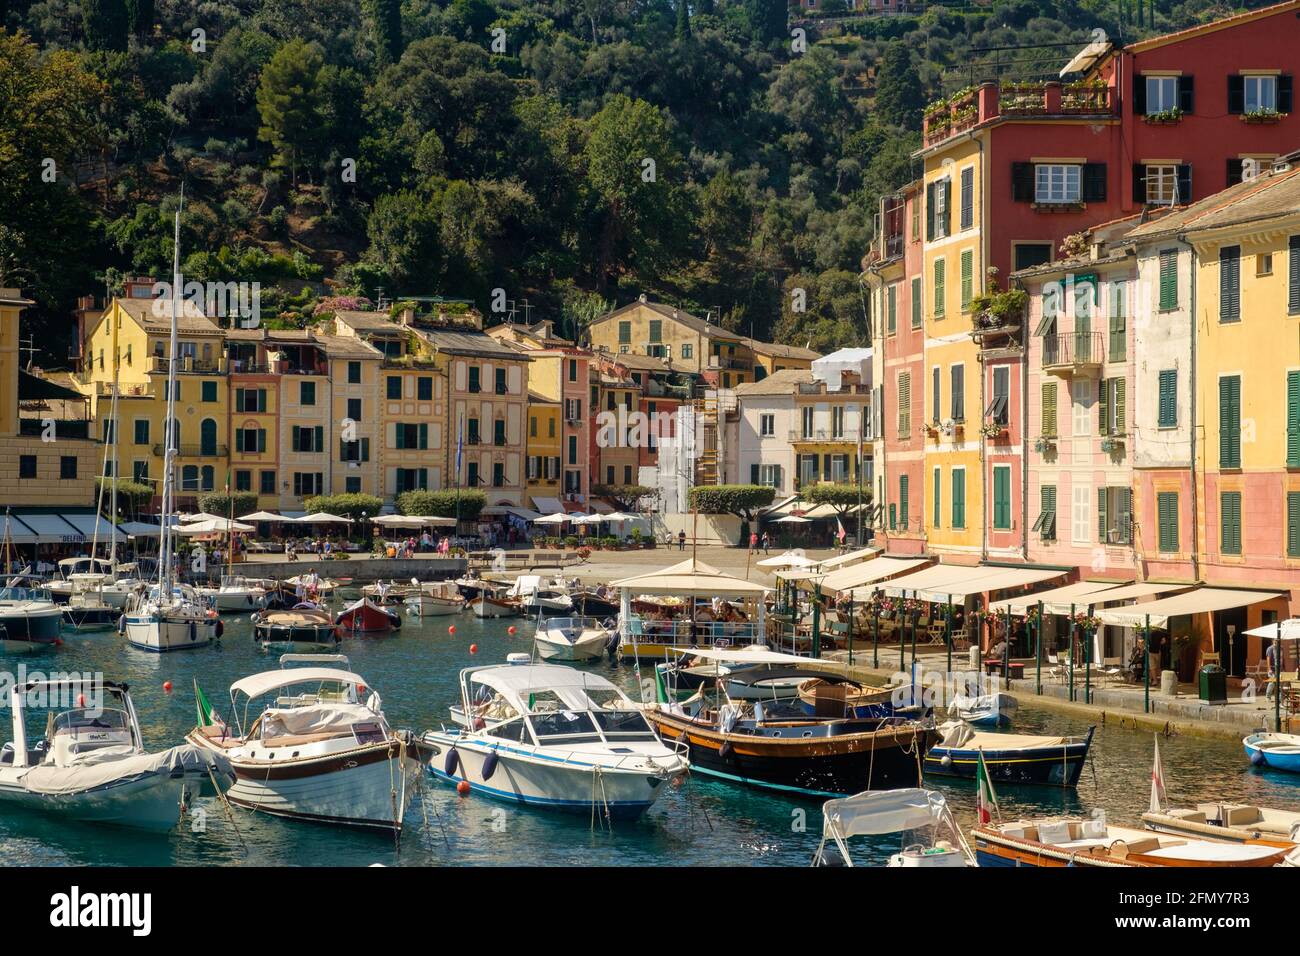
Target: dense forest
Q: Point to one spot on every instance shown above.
(574, 153)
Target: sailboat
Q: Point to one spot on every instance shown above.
(169, 616)
(88, 607)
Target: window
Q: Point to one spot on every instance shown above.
(937, 511)
(1058, 183)
(307, 483)
(1048, 409)
(627, 474)
(837, 421)
(903, 494)
(1168, 410)
(268, 482)
(767, 425)
(687, 350)
(498, 474)
(904, 404)
(550, 428)
(916, 302)
(573, 449)
(354, 409)
(1293, 524)
(190, 478)
(939, 288)
(1260, 93)
(1118, 321)
(998, 410)
(1230, 522)
(1167, 521)
(352, 486)
(916, 219)
(1002, 497)
(1081, 514)
(358, 450)
(1030, 254)
(499, 431)
(416, 435)
(625, 333)
(1114, 515)
(412, 479)
(532, 426)
(958, 393)
(208, 392)
(354, 373)
(251, 400)
(475, 379)
(609, 474)
(394, 387)
(1161, 94)
(142, 431)
(140, 471)
(67, 467)
(307, 393)
(935, 378)
(308, 438)
(243, 480)
(1045, 524)
(500, 380)
(1168, 279)
(959, 498)
(471, 474)
(967, 279)
(250, 440)
(656, 330)
(167, 388)
(936, 209)
(769, 475)
(1162, 184)
(968, 197)
(1230, 421)
(806, 415)
(424, 388)
(1230, 284)
(1112, 418)
(1263, 264)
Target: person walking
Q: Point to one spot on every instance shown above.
(767, 541)
(753, 541)
(681, 540)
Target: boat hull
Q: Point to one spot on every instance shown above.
(368, 619)
(230, 602)
(103, 618)
(1059, 765)
(997, 850)
(426, 606)
(150, 634)
(1260, 755)
(39, 627)
(586, 647)
(489, 608)
(149, 802)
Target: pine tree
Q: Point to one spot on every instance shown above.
(105, 22)
(386, 27)
(767, 19)
(899, 98)
(140, 14)
(683, 20)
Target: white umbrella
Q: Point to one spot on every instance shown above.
(790, 559)
(202, 516)
(437, 521)
(792, 519)
(1290, 630)
(323, 517)
(587, 519)
(399, 521)
(556, 518)
(213, 526)
(263, 516)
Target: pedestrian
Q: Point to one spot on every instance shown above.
(767, 541)
(1274, 655)
(681, 540)
(753, 541)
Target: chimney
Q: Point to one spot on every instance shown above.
(641, 297)
(406, 316)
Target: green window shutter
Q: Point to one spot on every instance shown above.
(1121, 405)
(297, 439)
(261, 440)
(239, 399)
(1168, 416)
(1230, 284)
(916, 302)
(1167, 520)
(1230, 522)
(424, 435)
(1293, 276)
(1293, 419)
(319, 443)
(893, 516)
(1118, 322)
(1169, 279)
(939, 289)
(891, 309)
(399, 435)
(1103, 408)
(1002, 498)
(902, 500)
(938, 497)
(1125, 518)
(967, 279)
(753, 474)
(1230, 421)
(958, 498)
(1049, 505)
(1049, 408)
(1293, 524)
(1101, 514)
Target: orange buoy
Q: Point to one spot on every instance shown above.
(167, 686)
(511, 630)
(473, 648)
(463, 787)
(451, 628)
(81, 700)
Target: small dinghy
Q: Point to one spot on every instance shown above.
(876, 813)
(306, 628)
(91, 764)
(1276, 751)
(1010, 758)
(573, 638)
(986, 710)
(366, 617)
(494, 603)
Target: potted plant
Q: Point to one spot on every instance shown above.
(1164, 117)
(993, 430)
(1112, 444)
(1044, 444)
(1265, 115)
(571, 541)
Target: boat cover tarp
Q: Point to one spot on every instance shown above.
(106, 767)
(959, 735)
(1200, 601)
(886, 811)
(322, 718)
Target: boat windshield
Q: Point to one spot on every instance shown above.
(623, 725)
(18, 593)
(571, 726)
(91, 719)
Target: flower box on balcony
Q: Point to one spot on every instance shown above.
(1112, 444)
(1261, 117)
(1164, 117)
(993, 430)
(1045, 444)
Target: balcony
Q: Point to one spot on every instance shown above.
(822, 435)
(63, 427)
(969, 108)
(194, 451)
(471, 439)
(189, 365)
(1073, 353)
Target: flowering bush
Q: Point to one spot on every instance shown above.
(330, 304)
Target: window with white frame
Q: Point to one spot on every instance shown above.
(1162, 183)
(1261, 93)
(770, 475)
(1081, 530)
(1058, 182)
(1162, 94)
(1082, 394)
(806, 415)
(767, 425)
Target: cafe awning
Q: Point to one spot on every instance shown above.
(691, 577)
(1199, 601)
(15, 532)
(868, 572)
(85, 523)
(1057, 600)
(51, 529)
(548, 506)
(944, 581)
(823, 568)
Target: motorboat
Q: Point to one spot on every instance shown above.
(318, 748)
(538, 597)
(910, 810)
(435, 599)
(1275, 751)
(1010, 758)
(159, 620)
(573, 638)
(772, 745)
(235, 594)
(79, 571)
(86, 609)
(551, 736)
(366, 617)
(387, 593)
(91, 764)
(304, 628)
(28, 618)
(985, 710)
(591, 602)
(312, 586)
(492, 602)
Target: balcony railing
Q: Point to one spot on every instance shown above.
(63, 427)
(1073, 351)
(823, 434)
(948, 118)
(189, 365)
(194, 451)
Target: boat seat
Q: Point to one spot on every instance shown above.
(1240, 815)
(1145, 845)
(1189, 815)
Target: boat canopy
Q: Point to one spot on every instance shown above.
(883, 811)
(516, 681)
(1199, 601)
(1057, 600)
(691, 577)
(259, 684)
(868, 572)
(748, 655)
(942, 581)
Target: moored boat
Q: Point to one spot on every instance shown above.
(304, 628)
(1276, 751)
(28, 618)
(235, 594)
(986, 710)
(366, 617)
(86, 609)
(907, 810)
(573, 638)
(492, 603)
(1010, 758)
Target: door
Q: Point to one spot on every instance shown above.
(1229, 640)
(208, 438)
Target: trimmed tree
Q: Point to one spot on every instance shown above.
(131, 495)
(843, 497)
(443, 504)
(740, 500)
(625, 496)
(353, 505)
(217, 503)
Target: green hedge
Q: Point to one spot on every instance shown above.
(352, 506)
(442, 504)
(742, 500)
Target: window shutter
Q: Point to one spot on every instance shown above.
(826, 467)
(297, 438)
(1139, 96)
(958, 393)
(1230, 422)
(1293, 276)
(424, 435)
(1168, 409)
(1184, 184)
(1186, 94)
(778, 475)
(399, 435)
(967, 278)
(1124, 520)
(1230, 284)
(903, 495)
(958, 498)
(1236, 94)
(365, 449)
(318, 443)
(940, 286)
(929, 212)
(1234, 171)
(945, 187)
(1139, 183)
(1230, 523)
(1101, 514)
(967, 197)
(1293, 524)
(1169, 279)
(1121, 406)
(1022, 182)
(1293, 419)
(938, 413)
(239, 399)
(1049, 408)
(1284, 98)
(1103, 408)
(1094, 182)
(753, 474)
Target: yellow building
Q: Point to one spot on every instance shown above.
(544, 447)
(614, 397)
(827, 427)
(952, 275)
(661, 331)
(129, 344)
(770, 357)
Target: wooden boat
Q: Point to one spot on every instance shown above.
(833, 695)
(1010, 758)
(1095, 843)
(1277, 751)
(305, 628)
(1235, 822)
(494, 603)
(986, 710)
(366, 617)
(591, 603)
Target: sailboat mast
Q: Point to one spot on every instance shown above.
(166, 577)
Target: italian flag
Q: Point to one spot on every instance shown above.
(206, 716)
(1157, 782)
(988, 800)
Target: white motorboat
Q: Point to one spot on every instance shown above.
(235, 594)
(551, 736)
(28, 618)
(493, 603)
(92, 766)
(572, 638)
(73, 570)
(879, 812)
(86, 609)
(319, 748)
(535, 596)
(986, 710)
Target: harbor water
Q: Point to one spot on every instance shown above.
(702, 822)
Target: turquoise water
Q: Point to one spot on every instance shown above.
(704, 822)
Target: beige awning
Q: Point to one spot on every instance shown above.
(1199, 601)
(945, 581)
(1055, 601)
(830, 564)
(868, 572)
(1129, 592)
(693, 578)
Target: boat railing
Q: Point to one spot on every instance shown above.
(691, 633)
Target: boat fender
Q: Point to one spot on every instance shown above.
(946, 761)
(1257, 758)
(725, 750)
(490, 765)
(221, 627)
(121, 624)
(194, 636)
(451, 763)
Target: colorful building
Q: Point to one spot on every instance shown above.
(760, 429)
